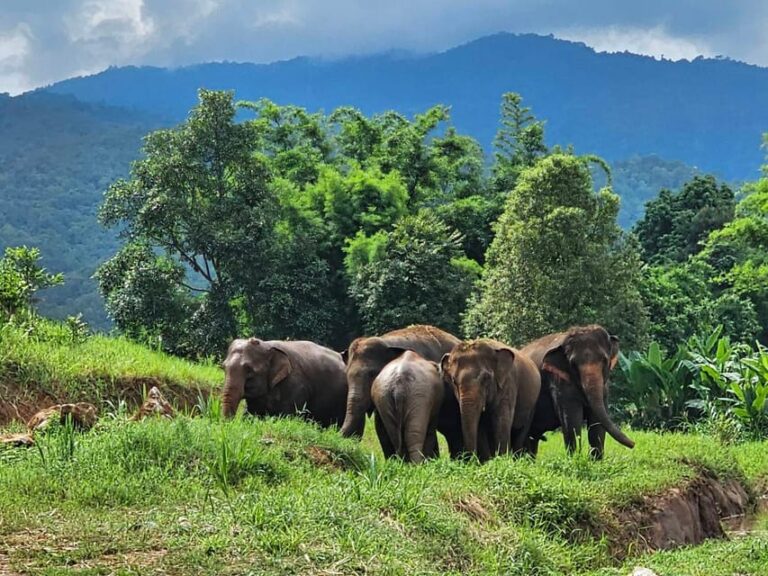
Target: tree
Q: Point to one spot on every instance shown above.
(413, 274)
(200, 197)
(519, 142)
(558, 259)
(21, 277)
(675, 224)
(738, 252)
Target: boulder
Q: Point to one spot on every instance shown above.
(155, 405)
(83, 414)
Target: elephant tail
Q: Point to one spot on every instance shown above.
(392, 416)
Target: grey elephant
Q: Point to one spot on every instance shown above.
(407, 396)
(575, 366)
(366, 357)
(497, 388)
(281, 378)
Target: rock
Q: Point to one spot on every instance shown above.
(17, 440)
(84, 416)
(640, 571)
(155, 405)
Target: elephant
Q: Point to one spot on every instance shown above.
(497, 388)
(281, 378)
(407, 396)
(365, 358)
(575, 366)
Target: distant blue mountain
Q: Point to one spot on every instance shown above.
(709, 113)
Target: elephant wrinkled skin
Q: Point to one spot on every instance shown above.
(497, 388)
(407, 396)
(366, 357)
(281, 378)
(575, 366)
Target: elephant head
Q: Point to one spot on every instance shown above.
(585, 357)
(252, 369)
(478, 373)
(364, 359)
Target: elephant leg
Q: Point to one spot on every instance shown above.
(431, 448)
(502, 429)
(387, 447)
(519, 440)
(484, 440)
(571, 419)
(532, 447)
(596, 435)
(415, 435)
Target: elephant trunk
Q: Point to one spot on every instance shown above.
(470, 421)
(594, 385)
(234, 390)
(358, 403)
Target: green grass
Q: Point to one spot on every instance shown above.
(44, 357)
(280, 496)
(197, 496)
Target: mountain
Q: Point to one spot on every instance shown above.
(57, 156)
(708, 113)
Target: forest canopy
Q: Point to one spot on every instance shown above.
(255, 218)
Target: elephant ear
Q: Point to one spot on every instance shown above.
(555, 361)
(614, 351)
(443, 368)
(505, 365)
(279, 366)
(392, 352)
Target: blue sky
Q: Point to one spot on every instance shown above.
(42, 41)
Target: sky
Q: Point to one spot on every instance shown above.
(43, 41)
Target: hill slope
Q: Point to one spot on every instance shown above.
(57, 156)
(709, 113)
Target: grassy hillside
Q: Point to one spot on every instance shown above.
(197, 496)
(45, 361)
(279, 496)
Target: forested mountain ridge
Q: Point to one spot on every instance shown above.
(57, 156)
(708, 113)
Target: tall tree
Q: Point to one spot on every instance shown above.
(675, 224)
(558, 259)
(413, 274)
(200, 197)
(518, 144)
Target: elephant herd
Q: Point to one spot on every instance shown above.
(485, 397)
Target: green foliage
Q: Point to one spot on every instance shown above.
(675, 224)
(519, 142)
(558, 259)
(415, 274)
(21, 276)
(199, 198)
(738, 252)
(707, 380)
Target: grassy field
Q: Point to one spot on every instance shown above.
(198, 496)
(201, 496)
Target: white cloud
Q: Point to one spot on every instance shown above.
(14, 48)
(656, 41)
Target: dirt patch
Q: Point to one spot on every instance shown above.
(20, 402)
(323, 458)
(472, 506)
(680, 516)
